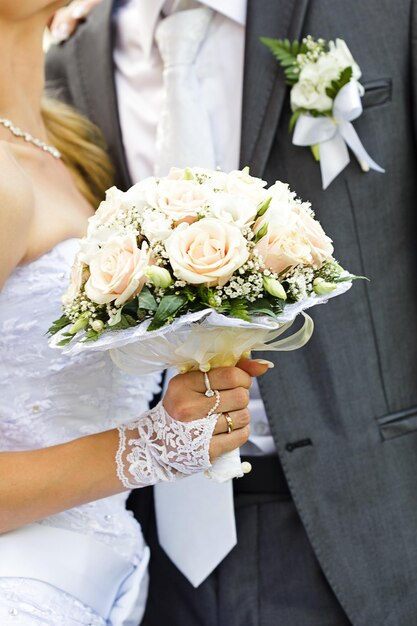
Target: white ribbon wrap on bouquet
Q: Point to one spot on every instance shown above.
(334, 134)
(201, 341)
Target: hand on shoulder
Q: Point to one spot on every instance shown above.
(65, 21)
(16, 213)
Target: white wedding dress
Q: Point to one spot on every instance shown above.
(48, 398)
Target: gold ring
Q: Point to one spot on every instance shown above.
(229, 422)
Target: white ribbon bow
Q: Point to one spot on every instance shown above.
(334, 134)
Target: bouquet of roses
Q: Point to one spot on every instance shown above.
(325, 99)
(195, 270)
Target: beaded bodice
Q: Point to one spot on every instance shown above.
(49, 398)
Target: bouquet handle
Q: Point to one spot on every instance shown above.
(226, 467)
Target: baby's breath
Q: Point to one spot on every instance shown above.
(315, 49)
(299, 281)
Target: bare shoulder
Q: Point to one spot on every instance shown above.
(16, 212)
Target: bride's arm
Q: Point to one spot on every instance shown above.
(38, 483)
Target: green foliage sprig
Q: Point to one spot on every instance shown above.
(286, 52)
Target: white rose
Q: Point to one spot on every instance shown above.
(237, 210)
(114, 203)
(310, 91)
(240, 183)
(117, 270)
(208, 251)
(90, 245)
(339, 50)
(156, 226)
(215, 179)
(143, 194)
(182, 200)
(280, 209)
(76, 280)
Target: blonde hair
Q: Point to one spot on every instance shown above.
(82, 147)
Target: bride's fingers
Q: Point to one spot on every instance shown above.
(65, 21)
(255, 367)
(239, 419)
(220, 444)
(220, 378)
(187, 405)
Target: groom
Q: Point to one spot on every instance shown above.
(327, 521)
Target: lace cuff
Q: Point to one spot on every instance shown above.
(156, 448)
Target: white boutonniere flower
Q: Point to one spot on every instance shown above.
(325, 99)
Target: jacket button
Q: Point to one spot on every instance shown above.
(289, 447)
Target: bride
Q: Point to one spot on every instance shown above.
(70, 553)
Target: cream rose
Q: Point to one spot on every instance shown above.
(117, 270)
(208, 251)
(298, 240)
(321, 246)
(181, 200)
(282, 248)
(240, 183)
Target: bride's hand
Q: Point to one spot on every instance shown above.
(185, 401)
(66, 20)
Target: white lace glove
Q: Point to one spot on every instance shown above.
(156, 448)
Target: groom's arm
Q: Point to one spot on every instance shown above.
(413, 47)
(56, 73)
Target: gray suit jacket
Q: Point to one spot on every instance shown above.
(353, 389)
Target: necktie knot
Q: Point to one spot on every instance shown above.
(180, 35)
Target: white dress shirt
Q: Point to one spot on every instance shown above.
(219, 67)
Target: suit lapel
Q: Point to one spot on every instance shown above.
(264, 87)
(94, 61)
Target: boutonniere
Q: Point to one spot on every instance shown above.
(325, 99)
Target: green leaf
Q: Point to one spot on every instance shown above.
(315, 150)
(261, 233)
(146, 300)
(131, 307)
(189, 292)
(336, 85)
(293, 119)
(65, 341)
(188, 175)
(285, 270)
(343, 279)
(59, 324)
(239, 309)
(116, 319)
(263, 208)
(126, 321)
(91, 335)
(265, 306)
(167, 310)
(206, 297)
(286, 53)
